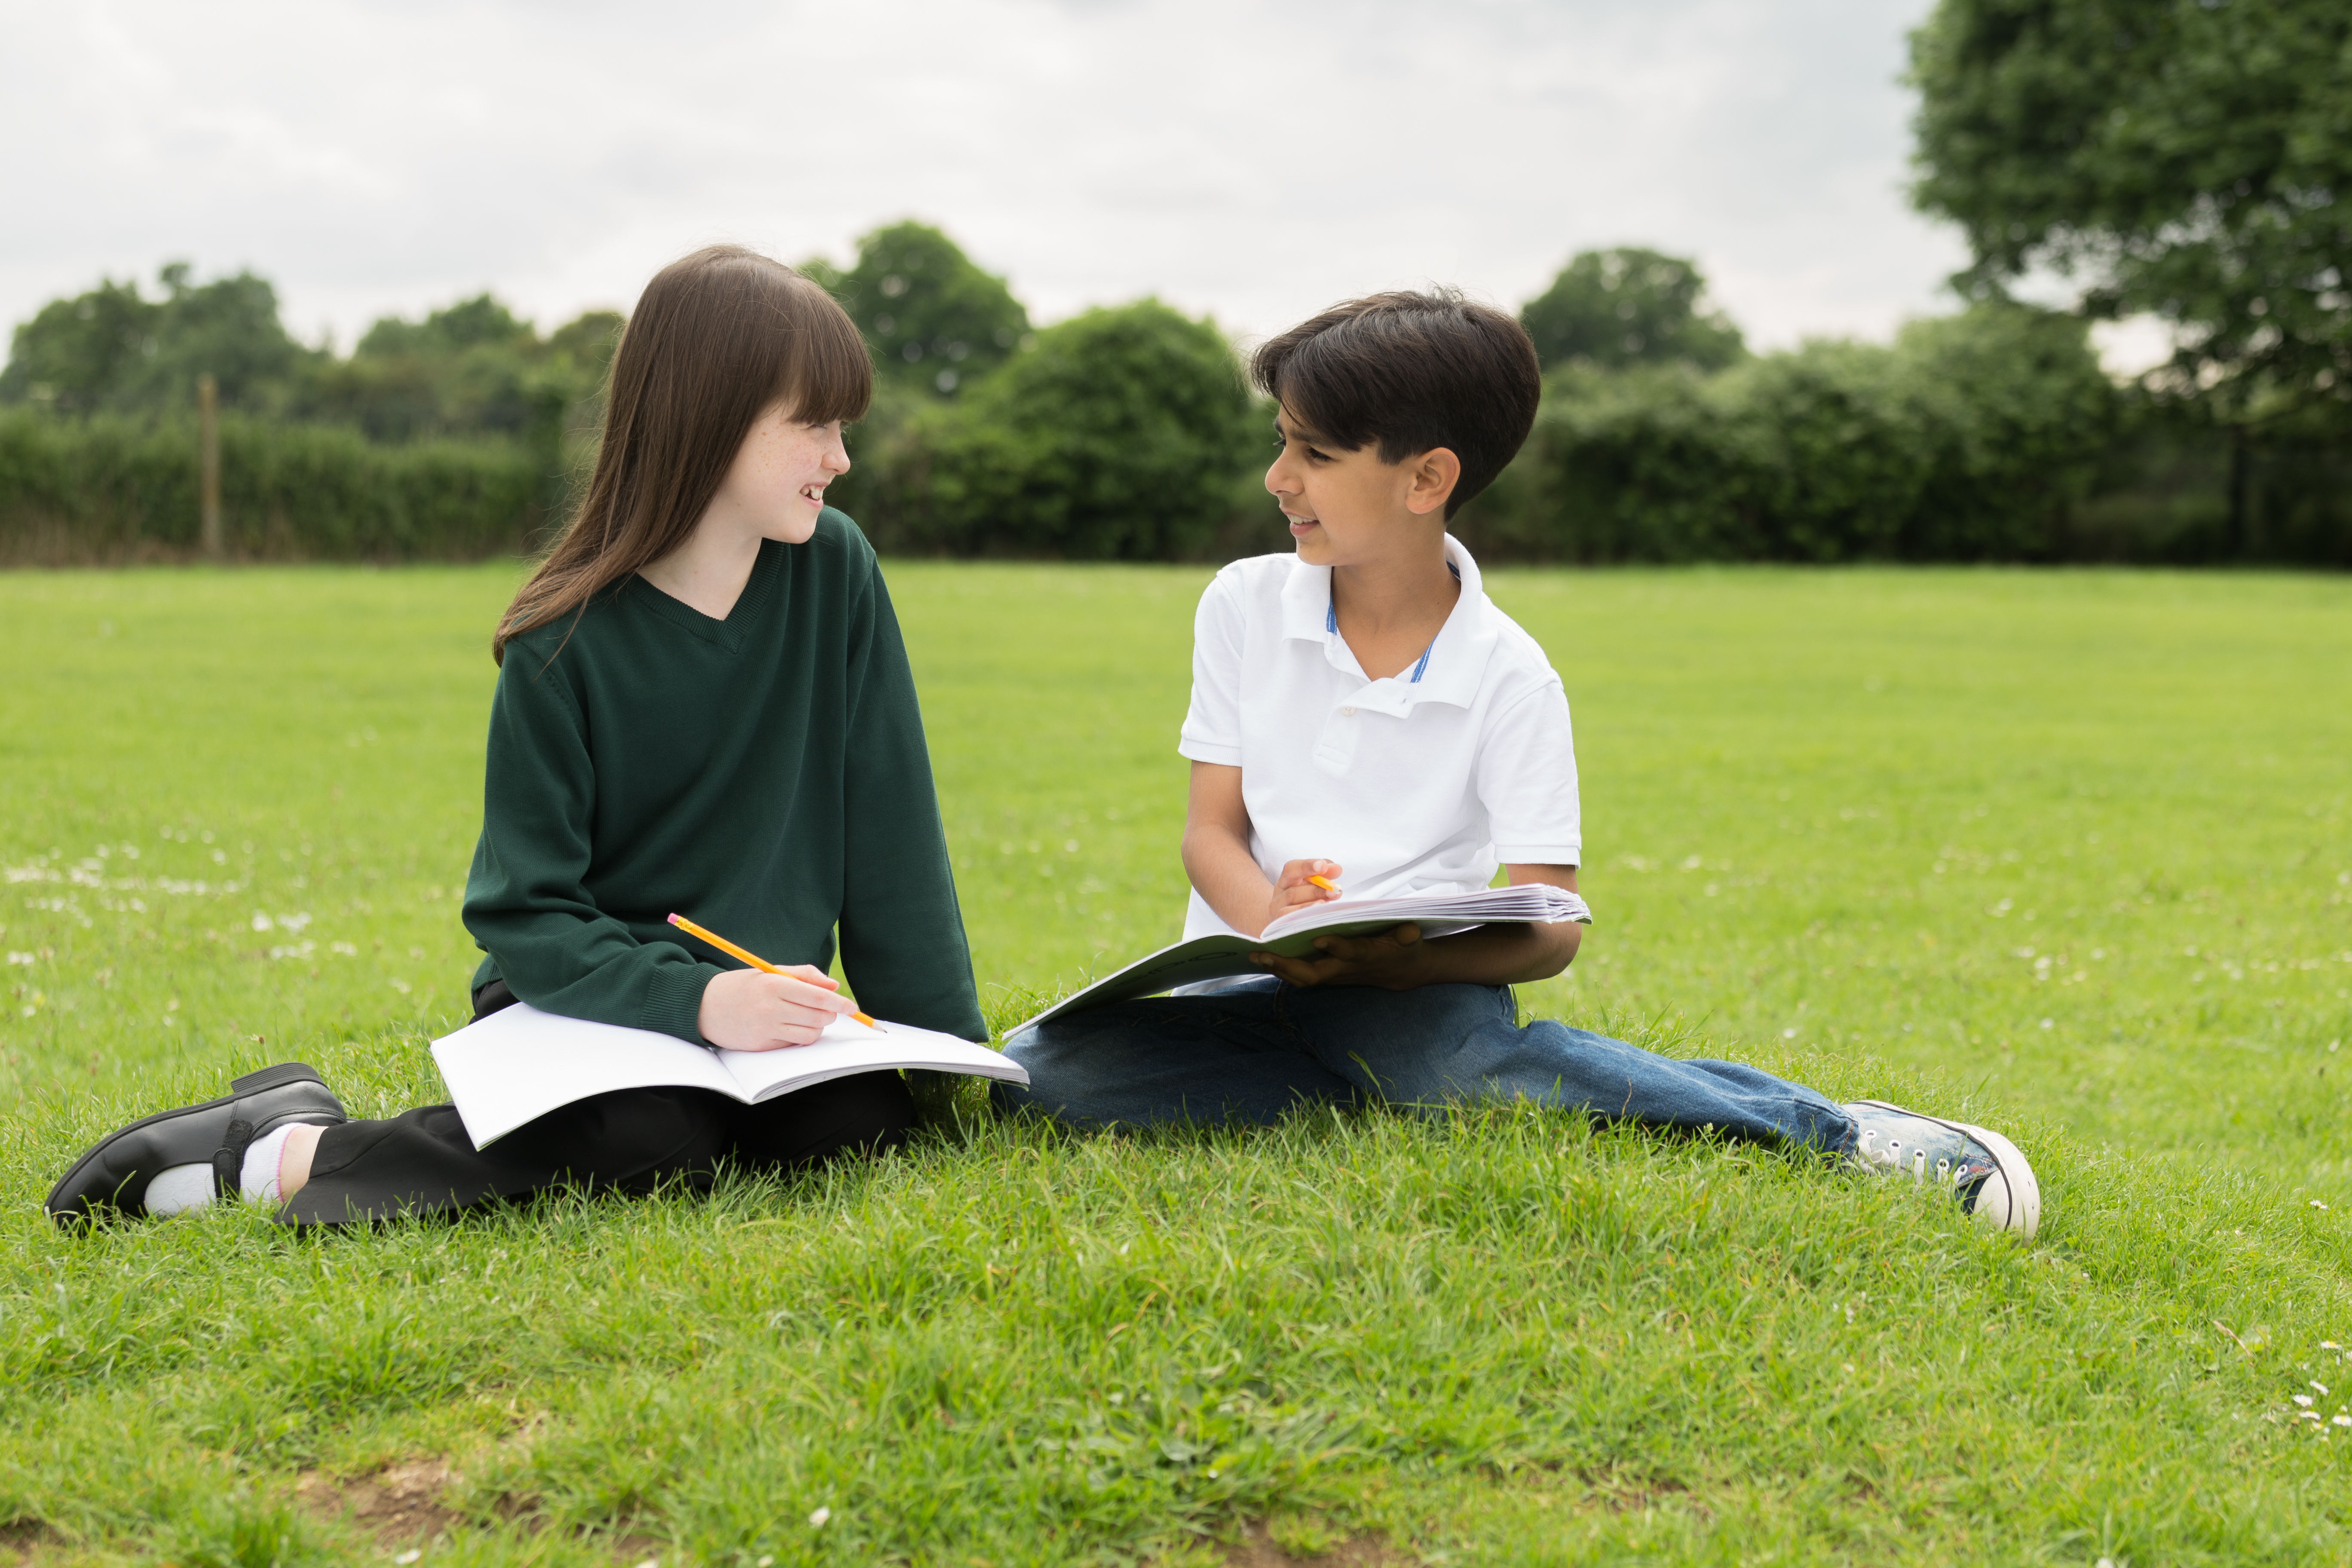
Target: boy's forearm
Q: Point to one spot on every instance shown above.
(1500, 954)
(1509, 954)
(1227, 877)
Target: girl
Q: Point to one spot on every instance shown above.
(703, 704)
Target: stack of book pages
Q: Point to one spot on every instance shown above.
(1293, 936)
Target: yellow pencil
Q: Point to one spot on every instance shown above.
(1319, 881)
(753, 959)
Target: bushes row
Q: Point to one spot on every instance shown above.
(1971, 438)
(1991, 435)
(114, 489)
(1987, 435)
(1122, 434)
(1125, 434)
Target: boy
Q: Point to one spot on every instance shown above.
(1361, 710)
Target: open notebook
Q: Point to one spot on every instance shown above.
(1293, 936)
(519, 1064)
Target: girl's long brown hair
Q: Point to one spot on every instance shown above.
(716, 337)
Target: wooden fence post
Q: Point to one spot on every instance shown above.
(208, 440)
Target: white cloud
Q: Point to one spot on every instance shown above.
(1252, 159)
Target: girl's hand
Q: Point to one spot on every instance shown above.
(750, 1010)
(1292, 891)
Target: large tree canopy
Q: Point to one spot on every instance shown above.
(1116, 438)
(1629, 306)
(469, 369)
(2188, 158)
(932, 316)
(114, 348)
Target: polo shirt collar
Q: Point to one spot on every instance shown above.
(1457, 659)
(1455, 664)
(1306, 601)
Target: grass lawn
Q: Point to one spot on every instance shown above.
(2068, 853)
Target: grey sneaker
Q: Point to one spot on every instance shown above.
(1982, 1168)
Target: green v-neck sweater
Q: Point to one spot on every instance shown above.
(764, 776)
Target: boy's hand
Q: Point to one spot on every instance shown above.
(1395, 960)
(750, 1010)
(1294, 889)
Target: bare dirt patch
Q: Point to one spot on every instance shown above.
(1257, 1548)
(21, 1541)
(398, 1505)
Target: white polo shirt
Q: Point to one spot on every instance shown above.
(1425, 781)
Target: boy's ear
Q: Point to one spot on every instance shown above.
(1434, 474)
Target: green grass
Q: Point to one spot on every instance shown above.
(1836, 825)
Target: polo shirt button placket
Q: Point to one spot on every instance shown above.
(1335, 749)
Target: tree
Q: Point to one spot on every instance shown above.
(228, 328)
(589, 338)
(2024, 415)
(453, 327)
(933, 318)
(1629, 306)
(113, 347)
(73, 351)
(470, 368)
(1116, 438)
(2188, 158)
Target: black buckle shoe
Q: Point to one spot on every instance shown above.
(113, 1175)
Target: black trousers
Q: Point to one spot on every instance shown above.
(423, 1162)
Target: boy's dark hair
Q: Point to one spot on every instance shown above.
(1410, 371)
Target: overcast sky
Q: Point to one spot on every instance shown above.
(1255, 161)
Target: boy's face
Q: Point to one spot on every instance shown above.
(1348, 509)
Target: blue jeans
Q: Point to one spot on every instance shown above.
(1257, 1052)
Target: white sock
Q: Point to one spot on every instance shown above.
(258, 1180)
(180, 1188)
(184, 1187)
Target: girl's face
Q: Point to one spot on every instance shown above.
(776, 485)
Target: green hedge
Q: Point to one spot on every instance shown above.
(106, 489)
(1125, 434)
(1971, 437)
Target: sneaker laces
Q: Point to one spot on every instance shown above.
(1892, 1156)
